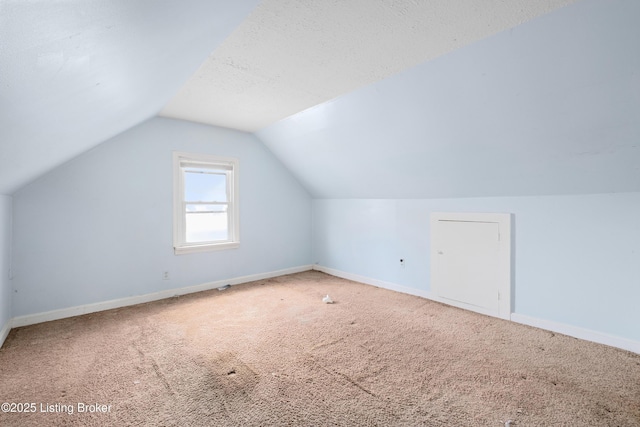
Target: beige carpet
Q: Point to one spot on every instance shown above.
(271, 353)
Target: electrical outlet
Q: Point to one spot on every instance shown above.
(165, 275)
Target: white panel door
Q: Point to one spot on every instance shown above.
(469, 262)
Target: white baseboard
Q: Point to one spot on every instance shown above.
(576, 332)
(561, 328)
(405, 290)
(31, 319)
(373, 282)
(4, 332)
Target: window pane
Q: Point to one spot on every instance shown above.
(206, 226)
(202, 185)
(205, 208)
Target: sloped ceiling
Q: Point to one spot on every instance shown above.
(75, 73)
(549, 107)
(376, 98)
(289, 55)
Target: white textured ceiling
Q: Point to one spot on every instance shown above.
(289, 55)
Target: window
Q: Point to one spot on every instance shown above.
(205, 203)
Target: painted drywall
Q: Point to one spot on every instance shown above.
(577, 258)
(5, 264)
(100, 227)
(549, 107)
(74, 73)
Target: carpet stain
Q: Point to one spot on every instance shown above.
(161, 376)
(346, 377)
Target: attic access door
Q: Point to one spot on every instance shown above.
(471, 261)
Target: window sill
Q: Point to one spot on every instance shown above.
(205, 248)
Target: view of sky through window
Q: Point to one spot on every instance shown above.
(206, 205)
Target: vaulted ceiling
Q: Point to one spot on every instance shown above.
(289, 55)
(75, 73)
(395, 98)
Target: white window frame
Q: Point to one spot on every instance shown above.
(180, 245)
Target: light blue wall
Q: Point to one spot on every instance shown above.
(549, 107)
(5, 260)
(577, 258)
(100, 227)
